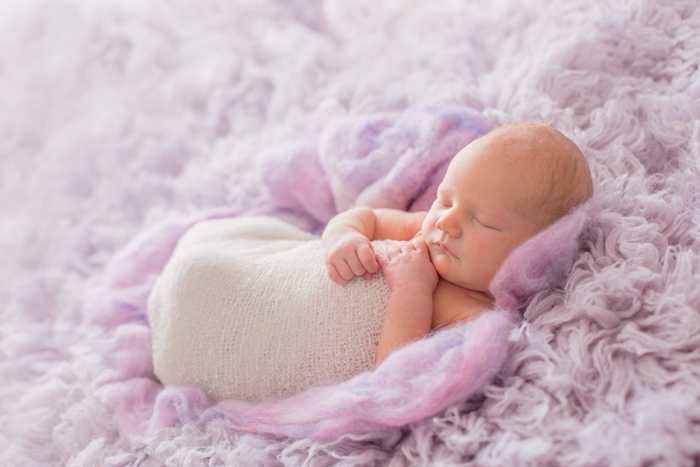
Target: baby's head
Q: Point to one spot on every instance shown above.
(499, 191)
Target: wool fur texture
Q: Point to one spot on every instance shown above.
(122, 118)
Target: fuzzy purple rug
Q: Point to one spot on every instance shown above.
(119, 115)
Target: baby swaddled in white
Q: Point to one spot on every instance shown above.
(245, 310)
(252, 308)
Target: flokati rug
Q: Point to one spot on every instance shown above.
(119, 119)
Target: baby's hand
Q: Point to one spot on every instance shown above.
(349, 255)
(407, 264)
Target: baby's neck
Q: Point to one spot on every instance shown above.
(452, 303)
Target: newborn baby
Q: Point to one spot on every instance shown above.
(245, 309)
(498, 191)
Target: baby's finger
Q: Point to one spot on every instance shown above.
(366, 255)
(382, 260)
(392, 251)
(368, 275)
(406, 247)
(334, 275)
(344, 270)
(420, 245)
(356, 266)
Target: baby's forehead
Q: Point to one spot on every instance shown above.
(541, 171)
(538, 151)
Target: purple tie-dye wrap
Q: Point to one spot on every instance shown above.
(387, 160)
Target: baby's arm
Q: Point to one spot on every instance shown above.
(347, 237)
(412, 280)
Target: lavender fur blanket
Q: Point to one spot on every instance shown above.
(119, 116)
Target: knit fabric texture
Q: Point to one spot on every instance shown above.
(245, 310)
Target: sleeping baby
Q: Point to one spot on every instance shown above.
(245, 308)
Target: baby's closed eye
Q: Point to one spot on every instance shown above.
(483, 224)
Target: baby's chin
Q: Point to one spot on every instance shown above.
(445, 267)
(449, 271)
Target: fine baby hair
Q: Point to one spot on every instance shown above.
(567, 176)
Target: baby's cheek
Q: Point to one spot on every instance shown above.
(442, 264)
(428, 225)
(480, 251)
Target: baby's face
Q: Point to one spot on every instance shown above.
(478, 217)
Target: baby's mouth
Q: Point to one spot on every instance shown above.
(443, 247)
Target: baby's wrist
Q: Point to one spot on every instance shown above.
(413, 289)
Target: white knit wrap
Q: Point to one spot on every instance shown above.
(245, 310)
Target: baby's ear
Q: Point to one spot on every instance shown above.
(542, 261)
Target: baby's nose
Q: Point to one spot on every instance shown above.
(440, 224)
(446, 223)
